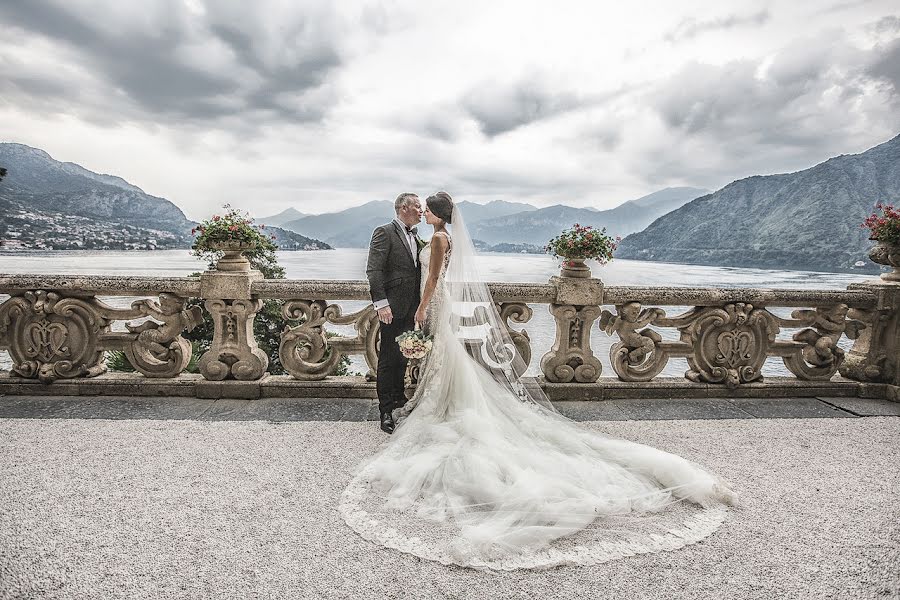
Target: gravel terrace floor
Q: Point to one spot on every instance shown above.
(119, 503)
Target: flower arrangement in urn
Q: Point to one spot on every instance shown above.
(884, 229)
(581, 243)
(230, 234)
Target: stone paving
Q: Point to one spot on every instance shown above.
(362, 409)
(114, 497)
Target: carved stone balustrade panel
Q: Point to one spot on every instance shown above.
(814, 353)
(875, 356)
(51, 336)
(309, 353)
(638, 355)
(730, 344)
(234, 352)
(517, 312)
(571, 359)
(156, 349)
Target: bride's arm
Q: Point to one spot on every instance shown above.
(439, 245)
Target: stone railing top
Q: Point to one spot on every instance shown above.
(359, 290)
(101, 284)
(859, 296)
(691, 296)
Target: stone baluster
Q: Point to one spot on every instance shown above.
(234, 352)
(875, 357)
(576, 307)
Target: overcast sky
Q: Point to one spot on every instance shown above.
(320, 106)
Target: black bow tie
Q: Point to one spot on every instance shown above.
(411, 230)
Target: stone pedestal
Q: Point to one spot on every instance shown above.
(875, 357)
(576, 308)
(234, 353)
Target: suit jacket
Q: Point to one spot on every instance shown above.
(391, 271)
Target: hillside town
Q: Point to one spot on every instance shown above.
(22, 229)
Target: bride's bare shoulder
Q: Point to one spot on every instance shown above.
(441, 237)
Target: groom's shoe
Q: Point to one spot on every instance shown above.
(387, 422)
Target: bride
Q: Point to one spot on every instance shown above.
(481, 470)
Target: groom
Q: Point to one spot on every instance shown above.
(394, 274)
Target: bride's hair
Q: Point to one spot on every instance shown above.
(441, 205)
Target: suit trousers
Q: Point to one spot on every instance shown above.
(392, 364)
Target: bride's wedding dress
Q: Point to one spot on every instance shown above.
(480, 473)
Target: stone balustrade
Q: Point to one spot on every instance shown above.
(57, 328)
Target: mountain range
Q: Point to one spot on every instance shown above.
(352, 227)
(807, 220)
(498, 225)
(537, 227)
(45, 203)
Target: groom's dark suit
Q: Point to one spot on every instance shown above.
(395, 276)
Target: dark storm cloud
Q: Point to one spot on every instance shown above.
(145, 65)
(691, 28)
(498, 109)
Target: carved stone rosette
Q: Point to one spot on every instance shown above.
(50, 336)
(308, 353)
(730, 344)
(571, 358)
(234, 351)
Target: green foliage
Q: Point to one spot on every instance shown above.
(584, 242)
(117, 361)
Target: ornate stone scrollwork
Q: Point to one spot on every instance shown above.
(307, 352)
(730, 344)
(571, 358)
(518, 312)
(875, 356)
(157, 349)
(637, 356)
(487, 344)
(234, 351)
(820, 357)
(51, 337)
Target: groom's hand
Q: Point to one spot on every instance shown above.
(385, 315)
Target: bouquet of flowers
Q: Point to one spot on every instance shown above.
(414, 344)
(886, 226)
(583, 242)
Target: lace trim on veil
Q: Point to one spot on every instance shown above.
(404, 531)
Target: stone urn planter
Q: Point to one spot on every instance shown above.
(575, 267)
(885, 253)
(234, 259)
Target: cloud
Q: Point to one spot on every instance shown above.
(816, 98)
(499, 108)
(886, 66)
(321, 105)
(169, 62)
(691, 28)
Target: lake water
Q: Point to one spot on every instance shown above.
(349, 263)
